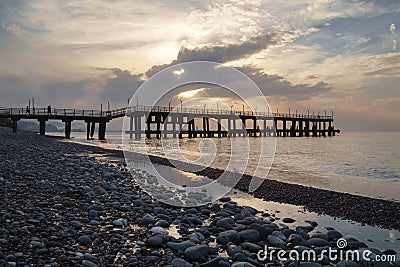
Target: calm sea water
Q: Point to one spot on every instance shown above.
(361, 163)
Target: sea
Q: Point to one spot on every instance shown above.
(364, 163)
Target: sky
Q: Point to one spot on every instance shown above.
(319, 55)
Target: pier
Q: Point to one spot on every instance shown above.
(180, 122)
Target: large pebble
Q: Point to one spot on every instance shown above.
(197, 252)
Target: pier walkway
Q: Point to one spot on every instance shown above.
(181, 122)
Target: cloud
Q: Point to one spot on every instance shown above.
(272, 85)
(221, 53)
(16, 30)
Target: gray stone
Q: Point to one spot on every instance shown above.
(162, 223)
(249, 235)
(181, 245)
(288, 220)
(118, 223)
(280, 235)
(178, 262)
(93, 214)
(242, 264)
(94, 222)
(85, 240)
(158, 230)
(295, 239)
(225, 223)
(276, 241)
(88, 263)
(95, 207)
(333, 235)
(159, 210)
(318, 242)
(197, 236)
(319, 235)
(251, 247)
(76, 224)
(197, 252)
(228, 236)
(147, 219)
(233, 249)
(155, 241)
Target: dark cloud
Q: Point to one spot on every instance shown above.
(121, 86)
(272, 85)
(222, 53)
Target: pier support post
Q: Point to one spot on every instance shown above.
(15, 124)
(284, 128)
(42, 126)
(92, 128)
(88, 130)
(300, 128)
(165, 125)
(219, 128)
(131, 127)
(255, 127)
(180, 120)
(244, 127)
(148, 135)
(102, 130)
(138, 127)
(158, 122)
(293, 129)
(68, 129)
(174, 121)
(264, 128)
(234, 127)
(307, 128)
(314, 129)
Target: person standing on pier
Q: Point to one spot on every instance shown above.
(27, 111)
(49, 110)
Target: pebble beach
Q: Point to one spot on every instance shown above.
(64, 204)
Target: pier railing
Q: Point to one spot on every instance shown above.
(116, 113)
(54, 112)
(205, 111)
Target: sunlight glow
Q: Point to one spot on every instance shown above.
(191, 93)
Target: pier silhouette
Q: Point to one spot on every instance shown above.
(179, 122)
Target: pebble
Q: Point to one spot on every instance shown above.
(196, 252)
(178, 262)
(88, 263)
(288, 220)
(155, 241)
(85, 240)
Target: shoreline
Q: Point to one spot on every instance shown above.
(65, 204)
(363, 209)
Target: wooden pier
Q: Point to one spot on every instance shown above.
(181, 122)
(188, 122)
(90, 117)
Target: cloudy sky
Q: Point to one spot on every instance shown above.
(306, 54)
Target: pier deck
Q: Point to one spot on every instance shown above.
(182, 122)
